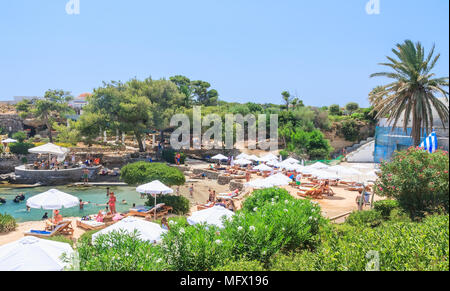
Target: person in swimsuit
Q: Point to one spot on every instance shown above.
(112, 202)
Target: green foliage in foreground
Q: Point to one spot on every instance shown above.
(400, 246)
(418, 180)
(7, 223)
(385, 207)
(286, 235)
(259, 198)
(143, 172)
(240, 266)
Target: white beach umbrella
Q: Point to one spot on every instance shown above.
(52, 200)
(219, 157)
(344, 172)
(263, 168)
(269, 157)
(319, 166)
(211, 216)
(308, 170)
(49, 149)
(274, 163)
(243, 162)
(154, 188)
(259, 184)
(321, 174)
(278, 180)
(254, 158)
(147, 231)
(243, 156)
(34, 254)
(9, 140)
(293, 167)
(291, 161)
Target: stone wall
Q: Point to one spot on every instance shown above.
(51, 177)
(11, 120)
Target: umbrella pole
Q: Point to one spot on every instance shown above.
(155, 207)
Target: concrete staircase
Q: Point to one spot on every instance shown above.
(363, 154)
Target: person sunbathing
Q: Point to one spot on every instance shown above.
(99, 217)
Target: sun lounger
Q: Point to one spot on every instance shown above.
(205, 206)
(141, 211)
(160, 212)
(314, 193)
(63, 228)
(90, 224)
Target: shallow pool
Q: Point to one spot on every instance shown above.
(95, 195)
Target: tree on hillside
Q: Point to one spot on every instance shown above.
(135, 106)
(50, 109)
(335, 109)
(204, 95)
(413, 93)
(352, 107)
(185, 87)
(287, 98)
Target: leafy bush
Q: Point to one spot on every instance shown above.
(143, 172)
(369, 218)
(7, 223)
(400, 246)
(180, 204)
(279, 225)
(418, 180)
(20, 148)
(20, 136)
(352, 107)
(385, 207)
(350, 130)
(240, 266)
(284, 154)
(335, 110)
(169, 156)
(259, 198)
(194, 248)
(128, 254)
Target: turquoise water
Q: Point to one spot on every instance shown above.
(95, 195)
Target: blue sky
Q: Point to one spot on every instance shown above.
(249, 50)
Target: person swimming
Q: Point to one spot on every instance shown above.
(2, 200)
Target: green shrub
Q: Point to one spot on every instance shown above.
(418, 180)
(350, 130)
(284, 154)
(260, 198)
(279, 225)
(402, 246)
(385, 207)
(180, 204)
(369, 218)
(7, 223)
(20, 148)
(240, 266)
(143, 172)
(195, 248)
(169, 156)
(128, 253)
(20, 136)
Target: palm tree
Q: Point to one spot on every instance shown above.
(412, 95)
